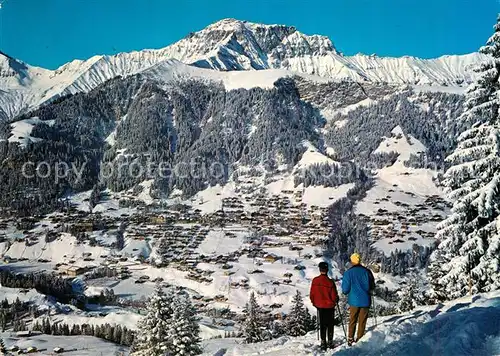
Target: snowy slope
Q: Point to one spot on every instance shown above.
(445, 70)
(466, 326)
(21, 130)
(402, 191)
(170, 70)
(226, 45)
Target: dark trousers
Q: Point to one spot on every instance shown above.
(359, 316)
(326, 320)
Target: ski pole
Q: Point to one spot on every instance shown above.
(374, 311)
(342, 321)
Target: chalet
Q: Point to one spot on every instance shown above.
(84, 226)
(27, 333)
(73, 271)
(271, 257)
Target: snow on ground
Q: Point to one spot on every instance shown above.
(312, 156)
(210, 199)
(387, 246)
(145, 194)
(81, 200)
(324, 196)
(440, 89)
(331, 114)
(64, 248)
(340, 123)
(282, 183)
(21, 130)
(103, 237)
(135, 247)
(170, 70)
(111, 139)
(109, 205)
(121, 317)
(404, 145)
(466, 326)
(313, 195)
(218, 242)
(24, 295)
(417, 181)
(73, 345)
(261, 283)
(390, 193)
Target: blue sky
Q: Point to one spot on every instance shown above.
(49, 33)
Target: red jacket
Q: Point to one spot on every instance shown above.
(323, 292)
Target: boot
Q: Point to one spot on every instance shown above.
(324, 346)
(350, 341)
(330, 339)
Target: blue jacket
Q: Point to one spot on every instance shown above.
(357, 283)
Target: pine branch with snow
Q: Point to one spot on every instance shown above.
(409, 295)
(3, 349)
(467, 258)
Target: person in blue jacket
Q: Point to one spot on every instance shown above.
(358, 284)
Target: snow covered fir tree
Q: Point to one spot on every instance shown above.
(169, 327)
(409, 297)
(184, 329)
(152, 336)
(254, 328)
(468, 257)
(298, 321)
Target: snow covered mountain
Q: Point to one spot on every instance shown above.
(226, 45)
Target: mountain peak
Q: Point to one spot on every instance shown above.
(11, 67)
(231, 44)
(227, 45)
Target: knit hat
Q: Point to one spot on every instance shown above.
(355, 259)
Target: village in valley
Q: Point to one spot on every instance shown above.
(217, 248)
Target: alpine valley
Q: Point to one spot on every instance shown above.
(226, 165)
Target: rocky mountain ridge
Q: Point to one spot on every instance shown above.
(227, 45)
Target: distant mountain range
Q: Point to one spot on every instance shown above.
(227, 45)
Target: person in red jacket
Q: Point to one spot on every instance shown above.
(324, 297)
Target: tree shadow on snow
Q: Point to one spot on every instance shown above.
(436, 311)
(464, 332)
(457, 307)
